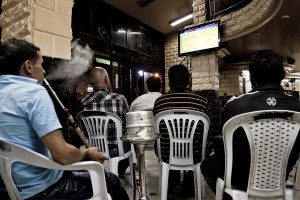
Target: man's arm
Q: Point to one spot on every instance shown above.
(65, 153)
(125, 109)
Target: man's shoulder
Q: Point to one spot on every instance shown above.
(184, 100)
(243, 97)
(118, 98)
(149, 95)
(186, 95)
(117, 95)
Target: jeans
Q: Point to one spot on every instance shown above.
(76, 185)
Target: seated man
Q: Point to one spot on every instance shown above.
(28, 119)
(103, 99)
(180, 96)
(266, 73)
(146, 101)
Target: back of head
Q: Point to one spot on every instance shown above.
(266, 66)
(153, 84)
(99, 78)
(14, 53)
(179, 76)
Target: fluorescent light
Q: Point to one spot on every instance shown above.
(132, 32)
(135, 33)
(182, 19)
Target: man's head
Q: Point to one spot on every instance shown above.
(266, 66)
(153, 84)
(179, 77)
(99, 78)
(19, 57)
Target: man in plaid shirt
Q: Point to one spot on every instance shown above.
(103, 99)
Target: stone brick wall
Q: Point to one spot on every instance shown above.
(230, 81)
(205, 72)
(46, 23)
(171, 55)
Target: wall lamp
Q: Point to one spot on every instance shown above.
(181, 19)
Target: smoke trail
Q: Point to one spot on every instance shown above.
(80, 62)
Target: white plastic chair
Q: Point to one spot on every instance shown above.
(271, 139)
(96, 125)
(10, 153)
(181, 136)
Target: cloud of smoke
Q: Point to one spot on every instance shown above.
(80, 62)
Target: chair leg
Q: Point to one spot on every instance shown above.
(289, 194)
(160, 178)
(113, 165)
(197, 182)
(164, 181)
(219, 189)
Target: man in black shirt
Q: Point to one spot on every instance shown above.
(266, 73)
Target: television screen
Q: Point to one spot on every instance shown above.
(199, 39)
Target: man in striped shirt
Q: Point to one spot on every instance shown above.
(180, 96)
(103, 99)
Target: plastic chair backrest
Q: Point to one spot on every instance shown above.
(271, 135)
(181, 125)
(10, 153)
(96, 124)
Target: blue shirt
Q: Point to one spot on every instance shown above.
(26, 114)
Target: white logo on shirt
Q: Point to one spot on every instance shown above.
(271, 101)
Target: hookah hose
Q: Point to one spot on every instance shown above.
(69, 116)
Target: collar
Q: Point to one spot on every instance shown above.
(268, 87)
(180, 89)
(100, 89)
(10, 77)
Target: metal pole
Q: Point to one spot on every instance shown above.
(141, 149)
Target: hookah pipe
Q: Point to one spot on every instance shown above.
(69, 116)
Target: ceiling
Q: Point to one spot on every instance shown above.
(157, 14)
(279, 34)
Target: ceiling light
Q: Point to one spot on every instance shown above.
(182, 19)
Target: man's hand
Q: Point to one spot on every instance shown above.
(94, 154)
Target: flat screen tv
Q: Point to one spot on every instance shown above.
(199, 39)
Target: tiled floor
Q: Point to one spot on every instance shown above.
(152, 184)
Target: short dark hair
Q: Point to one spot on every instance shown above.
(153, 83)
(13, 53)
(179, 76)
(266, 66)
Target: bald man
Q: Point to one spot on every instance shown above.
(99, 78)
(103, 99)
